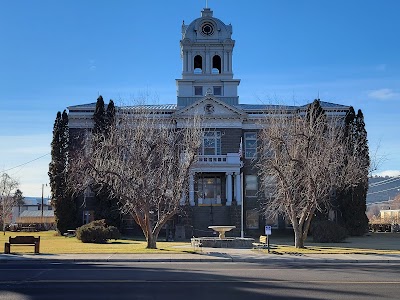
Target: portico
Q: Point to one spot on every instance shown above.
(215, 180)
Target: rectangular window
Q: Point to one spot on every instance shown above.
(251, 185)
(88, 216)
(211, 143)
(198, 91)
(250, 145)
(217, 90)
(252, 217)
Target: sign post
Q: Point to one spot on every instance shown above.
(268, 232)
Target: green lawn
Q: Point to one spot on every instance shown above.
(372, 243)
(51, 243)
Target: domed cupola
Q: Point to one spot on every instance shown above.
(206, 51)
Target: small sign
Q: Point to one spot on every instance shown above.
(268, 230)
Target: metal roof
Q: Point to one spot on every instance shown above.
(264, 107)
(37, 213)
(245, 107)
(152, 107)
(327, 105)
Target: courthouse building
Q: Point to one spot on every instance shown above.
(208, 87)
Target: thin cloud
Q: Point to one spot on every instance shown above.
(92, 65)
(383, 94)
(390, 173)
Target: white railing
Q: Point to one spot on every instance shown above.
(230, 158)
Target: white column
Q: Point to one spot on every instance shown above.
(228, 189)
(183, 199)
(238, 189)
(191, 190)
(225, 62)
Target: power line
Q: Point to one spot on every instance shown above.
(21, 165)
(389, 180)
(394, 188)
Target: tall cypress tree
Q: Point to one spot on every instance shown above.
(99, 117)
(64, 204)
(110, 114)
(106, 207)
(360, 222)
(352, 203)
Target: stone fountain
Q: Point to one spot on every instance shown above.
(221, 241)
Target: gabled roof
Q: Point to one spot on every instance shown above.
(206, 100)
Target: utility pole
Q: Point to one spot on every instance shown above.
(41, 219)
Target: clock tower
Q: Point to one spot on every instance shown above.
(206, 51)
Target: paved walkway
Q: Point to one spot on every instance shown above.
(207, 255)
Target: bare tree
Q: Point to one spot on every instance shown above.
(144, 160)
(303, 161)
(7, 186)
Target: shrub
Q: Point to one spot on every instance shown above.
(97, 232)
(328, 232)
(113, 233)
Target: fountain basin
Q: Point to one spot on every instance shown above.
(221, 229)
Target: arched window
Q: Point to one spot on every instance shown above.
(216, 64)
(198, 64)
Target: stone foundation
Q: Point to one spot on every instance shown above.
(214, 242)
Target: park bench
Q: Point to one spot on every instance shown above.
(22, 241)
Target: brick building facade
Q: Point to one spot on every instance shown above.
(224, 178)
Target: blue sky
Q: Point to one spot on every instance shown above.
(59, 53)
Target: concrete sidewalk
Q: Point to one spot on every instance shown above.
(207, 255)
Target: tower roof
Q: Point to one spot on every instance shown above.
(206, 28)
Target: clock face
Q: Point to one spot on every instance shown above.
(207, 28)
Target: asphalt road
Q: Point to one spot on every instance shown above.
(204, 281)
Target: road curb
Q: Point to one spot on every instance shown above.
(200, 259)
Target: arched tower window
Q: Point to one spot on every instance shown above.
(198, 64)
(216, 64)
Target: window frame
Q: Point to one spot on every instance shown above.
(246, 148)
(220, 90)
(250, 192)
(216, 137)
(198, 91)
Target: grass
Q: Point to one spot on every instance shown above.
(51, 243)
(373, 243)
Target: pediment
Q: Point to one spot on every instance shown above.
(212, 108)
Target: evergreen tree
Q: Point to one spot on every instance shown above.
(314, 112)
(106, 207)
(99, 117)
(18, 198)
(352, 202)
(110, 114)
(64, 204)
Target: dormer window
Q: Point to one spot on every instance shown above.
(198, 64)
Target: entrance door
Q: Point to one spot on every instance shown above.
(209, 188)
